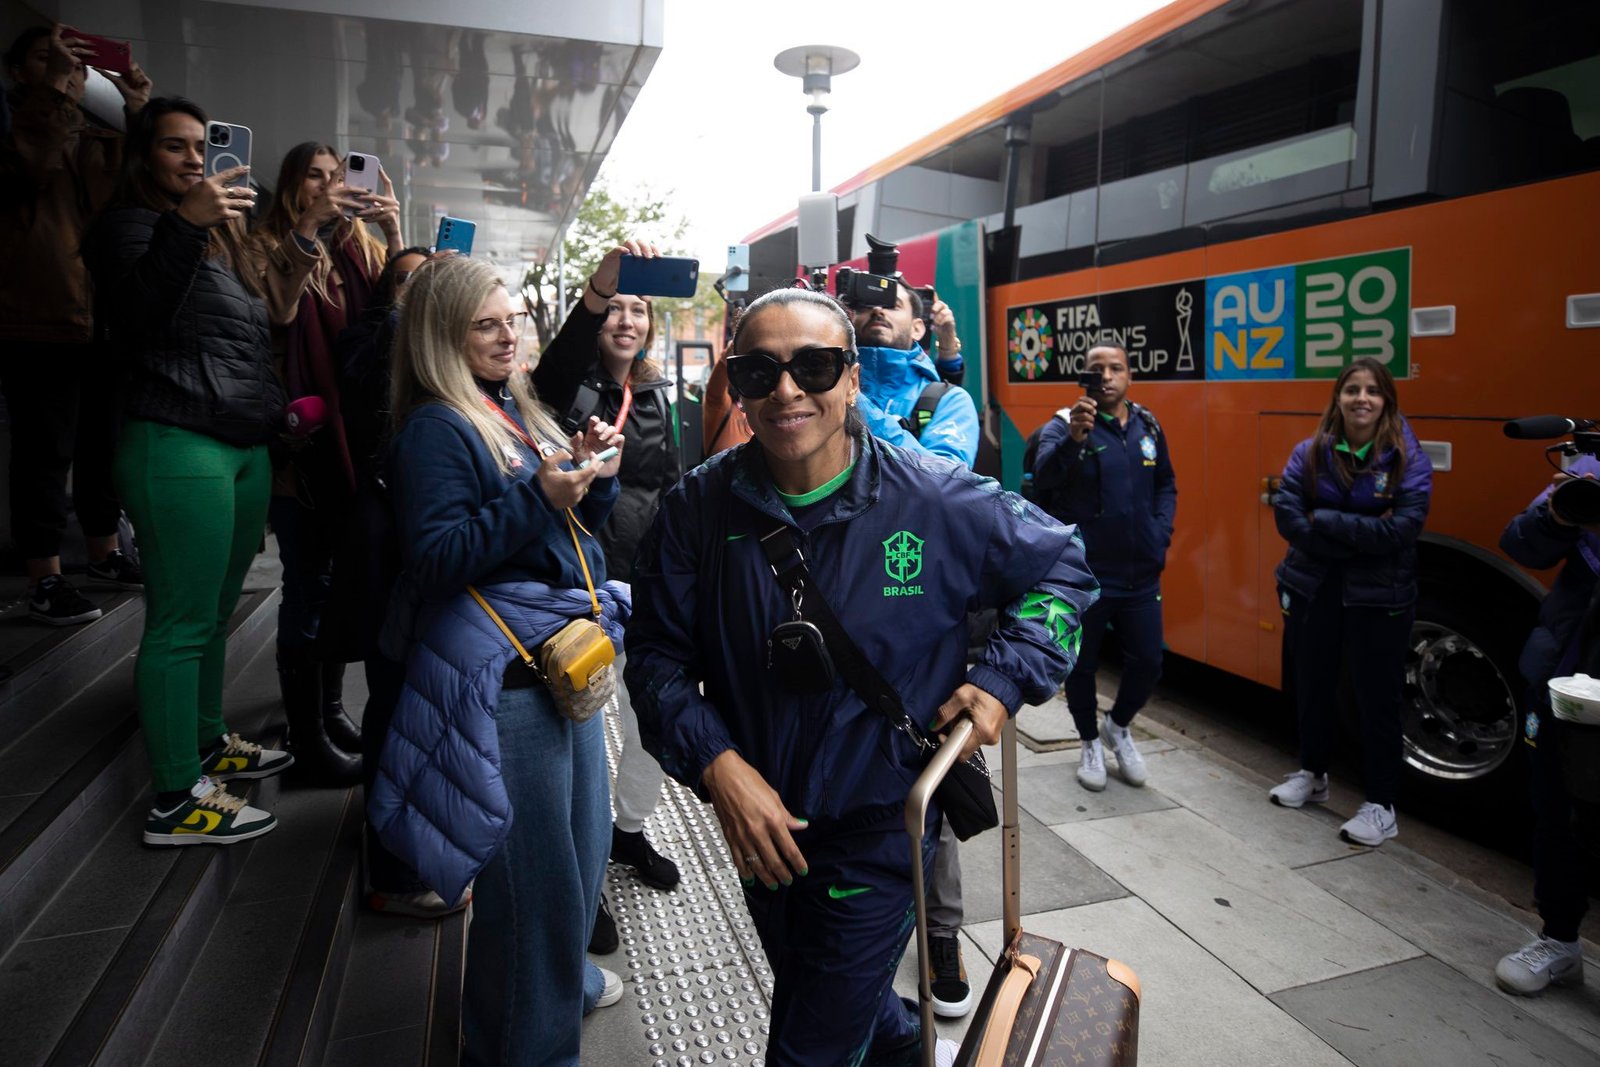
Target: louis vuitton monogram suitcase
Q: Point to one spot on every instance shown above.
(1045, 1004)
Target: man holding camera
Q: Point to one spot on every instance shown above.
(1102, 464)
(1541, 537)
(905, 403)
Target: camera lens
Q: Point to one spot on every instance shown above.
(221, 136)
(358, 163)
(1578, 501)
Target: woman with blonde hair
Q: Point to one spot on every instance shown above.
(482, 777)
(317, 229)
(1353, 500)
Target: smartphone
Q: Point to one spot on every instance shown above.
(227, 146)
(1090, 381)
(658, 276)
(456, 234)
(360, 175)
(106, 54)
(599, 457)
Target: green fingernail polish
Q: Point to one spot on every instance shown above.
(788, 881)
(804, 871)
(773, 886)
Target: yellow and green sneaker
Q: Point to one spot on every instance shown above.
(234, 757)
(210, 816)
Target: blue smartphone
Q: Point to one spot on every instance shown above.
(227, 146)
(658, 276)
(456, 234)
(605, 456)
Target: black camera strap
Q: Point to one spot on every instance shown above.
(789, 567)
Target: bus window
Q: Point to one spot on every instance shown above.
(1522, 93)
(1247, 108)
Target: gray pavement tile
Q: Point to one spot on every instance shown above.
(1054, 875)
(1194, 1010)
(1218, 795)
(42, 985)
(1053, 796)
(1271, 925)
(1048, 723)
(288, 861)
(1423, 1012)
(1460, 932)
(112, 887)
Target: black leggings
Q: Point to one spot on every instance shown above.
(1321, 634)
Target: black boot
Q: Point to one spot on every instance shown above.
(637, 852)
(317, 759)
(342, 731)
(603, 942)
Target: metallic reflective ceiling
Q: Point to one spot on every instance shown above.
(500, 114)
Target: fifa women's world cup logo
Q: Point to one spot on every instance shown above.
(1031, 343)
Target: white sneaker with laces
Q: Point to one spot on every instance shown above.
(1092, 766)
(1130, 765)
(1372, 825)
(1299, 789)
(613, 990)
(1540, 963)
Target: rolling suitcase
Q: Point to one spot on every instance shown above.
(1045, 1003)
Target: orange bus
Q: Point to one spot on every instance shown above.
(1245, 194)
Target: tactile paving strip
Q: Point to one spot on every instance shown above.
(696, 972)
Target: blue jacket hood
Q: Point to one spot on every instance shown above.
(887, 372)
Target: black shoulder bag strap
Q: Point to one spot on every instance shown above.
(964, 796)
(927, 404)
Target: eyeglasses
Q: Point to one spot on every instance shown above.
(493, 326)
(815, 370)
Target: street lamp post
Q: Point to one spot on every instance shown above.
(815, 65)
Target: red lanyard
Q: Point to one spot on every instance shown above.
(518, 430)
(627, 404)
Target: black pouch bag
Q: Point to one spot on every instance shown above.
(965, 795)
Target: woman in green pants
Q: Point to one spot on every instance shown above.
(190, 323)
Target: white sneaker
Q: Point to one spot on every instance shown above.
(1130, 765)
(1372, 825)
(945, 1052)
(613, 990)
(1540, 963)
(1299, 789)
(1092, 766)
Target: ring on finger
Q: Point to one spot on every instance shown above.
(752, 860)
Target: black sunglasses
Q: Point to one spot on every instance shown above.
(815, 370)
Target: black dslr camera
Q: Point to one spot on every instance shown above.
(875, 286)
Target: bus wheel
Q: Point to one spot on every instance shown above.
(1459, 701)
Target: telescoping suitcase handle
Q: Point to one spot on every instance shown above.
(1011, 861)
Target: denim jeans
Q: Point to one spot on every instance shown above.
(533, 905)
(306, 540)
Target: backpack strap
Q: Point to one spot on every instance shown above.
(927, 404)
(1149, 418)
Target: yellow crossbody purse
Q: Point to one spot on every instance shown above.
(576, 662)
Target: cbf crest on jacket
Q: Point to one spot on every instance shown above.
(1365, 533)
(902, 552)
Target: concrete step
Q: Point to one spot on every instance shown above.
(69, 778)
(93, 977)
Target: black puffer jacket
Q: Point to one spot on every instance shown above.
(196, 340)
(649, 454)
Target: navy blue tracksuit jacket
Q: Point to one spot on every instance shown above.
(902, 552)
(1118, 487)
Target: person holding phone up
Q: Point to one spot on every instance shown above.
(599, 365)
(57, 171)
(1103, 465)
(317, 231)
(188, 316)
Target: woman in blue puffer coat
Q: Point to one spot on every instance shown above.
(480, 775)
(1352, 504)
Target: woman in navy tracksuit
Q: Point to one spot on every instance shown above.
(1352, 503)
(810, 787)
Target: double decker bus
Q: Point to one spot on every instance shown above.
(1245, 195)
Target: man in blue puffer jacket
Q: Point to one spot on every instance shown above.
(895, 377)
(810, 787)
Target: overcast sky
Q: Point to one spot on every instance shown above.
(726, 137)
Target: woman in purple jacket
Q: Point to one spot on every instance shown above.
(1353, 500)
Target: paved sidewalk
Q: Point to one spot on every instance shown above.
(1260, 938)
